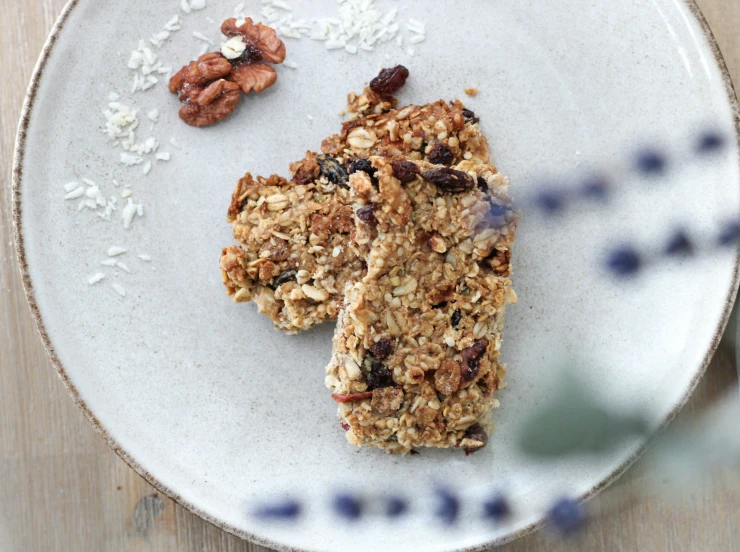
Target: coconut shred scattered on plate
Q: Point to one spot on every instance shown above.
(357, 25)
(113, 261)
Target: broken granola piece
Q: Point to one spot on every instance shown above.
(307, 225)
(434, 314)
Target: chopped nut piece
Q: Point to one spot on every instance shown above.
(447, 377)
(387, 400)
(471, 91)
(437, 243)
(475, 439)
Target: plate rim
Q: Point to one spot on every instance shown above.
(19, 155)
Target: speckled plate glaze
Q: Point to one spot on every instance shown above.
(217, 410)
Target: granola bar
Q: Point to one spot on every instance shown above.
(416, 350)
(298, 251)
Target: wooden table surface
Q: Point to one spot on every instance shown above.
(61, 488)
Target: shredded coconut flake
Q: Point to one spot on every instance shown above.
(109, 262)
(123, 266)
(76, 193)
(163, 156)
(145, 258)
(204, 38)
(129, 213)
(114, 251)
(120, 290)
(96, 278)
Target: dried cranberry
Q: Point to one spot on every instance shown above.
(471, 360)
(379, 376)
(333, 170)
(449, 180)
(390, 80)
(367, 214)
(478, 437)
(441, 154)
(405, 171)
(470, 116)
(382, 349)
(345, 426)
(352, 397)
(456, 318)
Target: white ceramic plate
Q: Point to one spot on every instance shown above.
(215, 408)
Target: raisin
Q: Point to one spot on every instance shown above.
(367, 214)
(482, 184)
(382, 349)
(359, 164)
(441, 154)
(471, 360)
(475, 439)
(456, 318)
(449, 180)
(284, 278)
(378, 377)
(362, 165)
(333, 170)
(470, 116)
(441, 305)
(390, 80)
(405, 171)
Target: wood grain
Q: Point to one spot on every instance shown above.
(63, 489)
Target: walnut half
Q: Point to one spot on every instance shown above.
(248, 47)
(211, 86)
(206, 95)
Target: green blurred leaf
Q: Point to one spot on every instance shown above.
(573, 423)
(686, 452)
